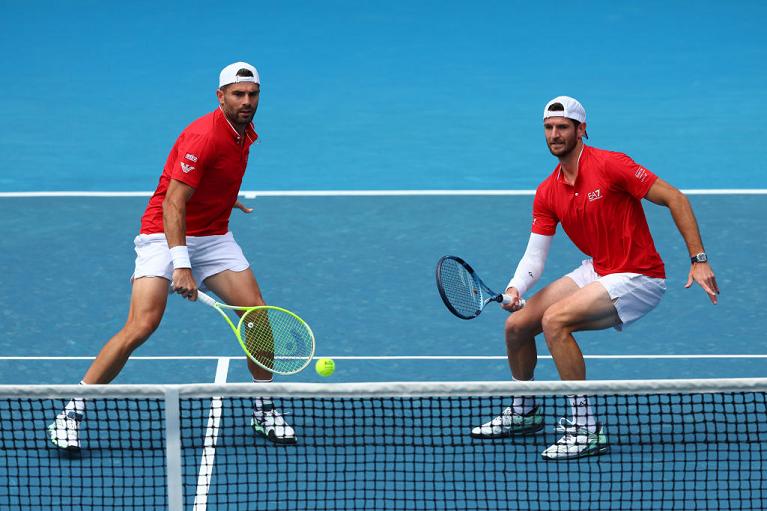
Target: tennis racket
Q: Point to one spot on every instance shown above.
(464, 293)
(272, 337)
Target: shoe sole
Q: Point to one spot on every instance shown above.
(272, 437)
(509, 433)
(585, 454)
(66, 448)
(73, 449)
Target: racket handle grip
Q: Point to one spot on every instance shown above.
(207, 300)
(508, 299)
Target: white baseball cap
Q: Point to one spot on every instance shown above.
(229, 74)
(573, 109)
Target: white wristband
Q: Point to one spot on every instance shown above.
(180, 257)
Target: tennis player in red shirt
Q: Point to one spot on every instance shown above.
(185, 242)
(596, 196)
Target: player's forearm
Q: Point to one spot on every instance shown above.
(174, 222)
(684, 218)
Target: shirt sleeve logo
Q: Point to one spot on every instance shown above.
(641, 174)
(186, 168)
(191, 157)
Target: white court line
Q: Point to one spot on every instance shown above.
(211, 437)
(419, 357)
(252, 194)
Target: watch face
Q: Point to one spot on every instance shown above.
(701, 258)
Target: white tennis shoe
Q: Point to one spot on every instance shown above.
(268, 422)
(578, 442)
(510, 423)
(64, 432)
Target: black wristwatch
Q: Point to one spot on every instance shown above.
(699, 258)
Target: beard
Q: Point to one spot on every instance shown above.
(564, 150)
(241, 116)
(246, 119)
(244, 116)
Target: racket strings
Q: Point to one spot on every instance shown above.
(276, 339)
(462, 288)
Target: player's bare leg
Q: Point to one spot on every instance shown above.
(149, 297)
(522, 327)
(524, 417)
(589, 308)
(241, 288)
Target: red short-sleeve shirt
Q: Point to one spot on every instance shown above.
(211, 157)
(602, 212)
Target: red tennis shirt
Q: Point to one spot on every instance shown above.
(602, 212)
(211, 157)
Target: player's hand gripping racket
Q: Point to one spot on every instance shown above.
(272, 337)
(463, 292)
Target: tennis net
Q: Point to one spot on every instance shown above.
(673, 444)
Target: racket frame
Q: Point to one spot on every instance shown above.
(492, 295)
(210, 302)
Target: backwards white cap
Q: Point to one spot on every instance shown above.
(573, 110)
(229, 74)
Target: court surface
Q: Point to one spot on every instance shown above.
(360, 271)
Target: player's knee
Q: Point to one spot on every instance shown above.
(512, 328)
(138, 330)
(516, 330)
(554, 323)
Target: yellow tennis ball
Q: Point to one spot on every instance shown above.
(325, 366)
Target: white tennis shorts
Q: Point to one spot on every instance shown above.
(209, 255)
(633, 294)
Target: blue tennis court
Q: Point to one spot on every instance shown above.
(367, 288)
(390, 135)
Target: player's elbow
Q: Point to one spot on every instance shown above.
(678, 200)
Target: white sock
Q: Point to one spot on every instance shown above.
(583, 415)
(77, 404)
(262, 402)
(523, 404)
